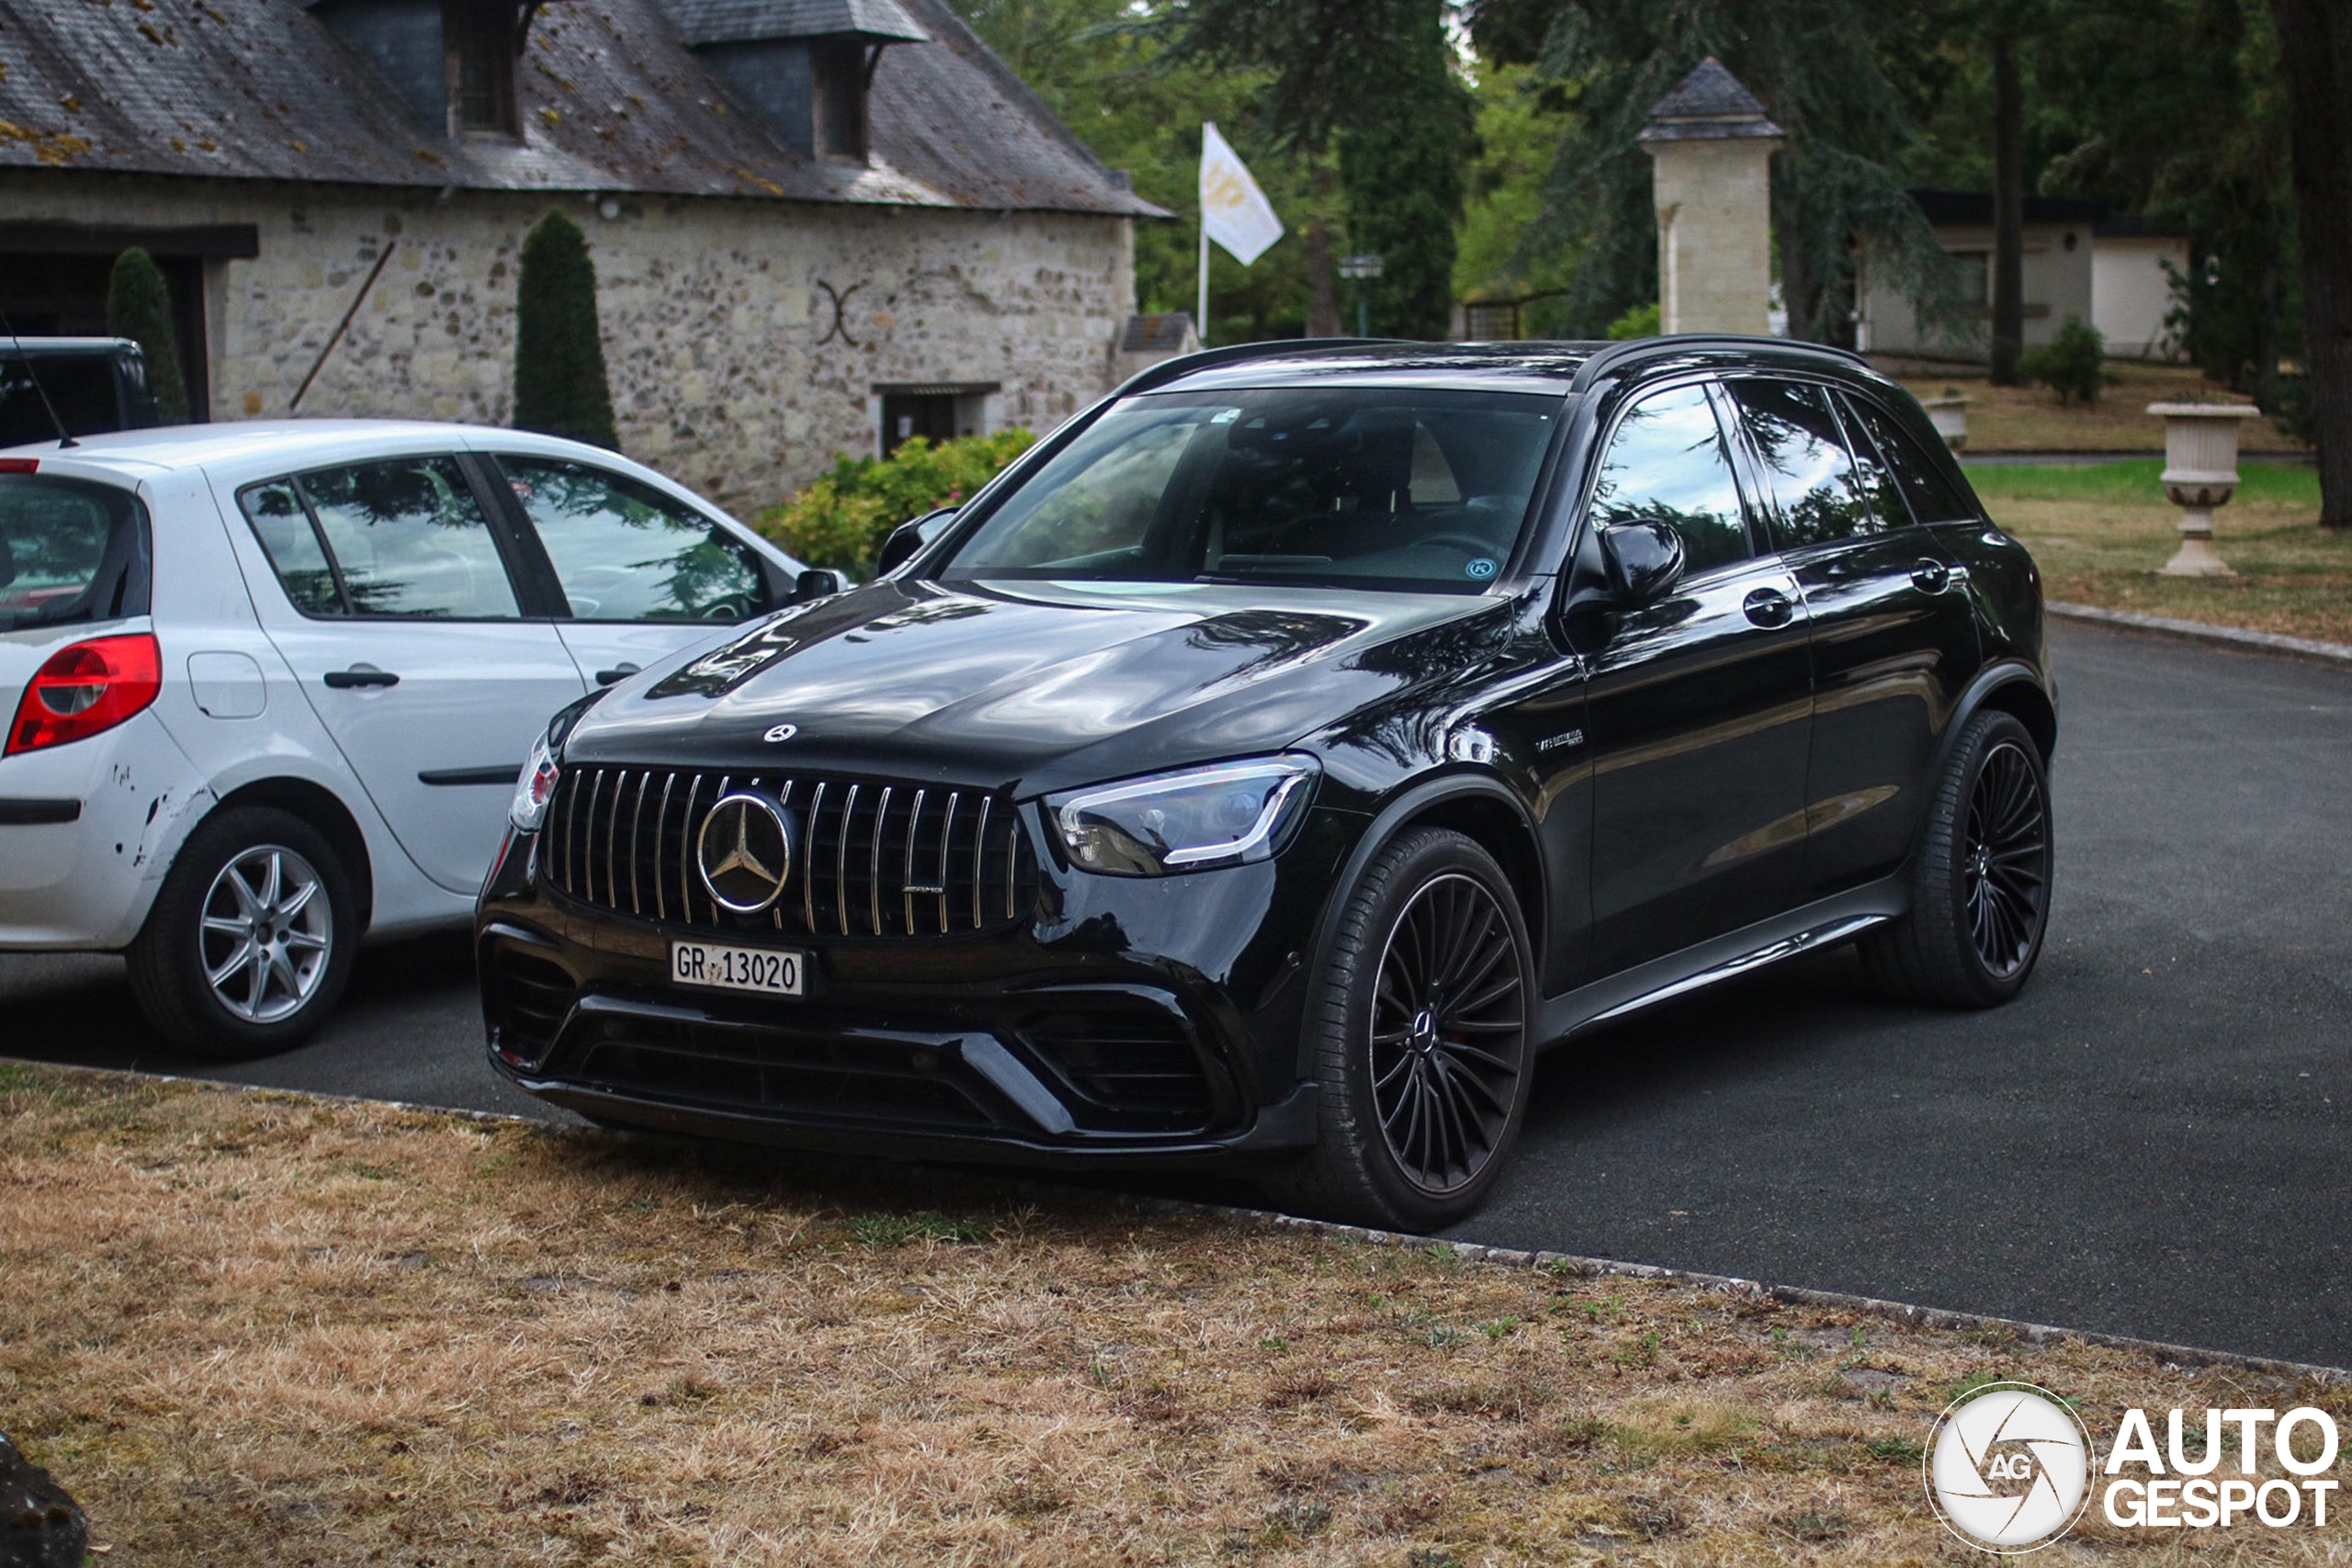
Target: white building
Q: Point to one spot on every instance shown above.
(2073, 266)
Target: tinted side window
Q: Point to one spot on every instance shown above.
(1932, 497)
(410, 539)
(283, 527)
(1816, 495)
(70, 551)
(626, 552)
(1666, 464)
(1888, 508)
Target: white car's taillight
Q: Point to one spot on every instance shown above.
(86, 688)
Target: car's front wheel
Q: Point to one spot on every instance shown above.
(1421, 1021)
(1980, 890)
(251, 938)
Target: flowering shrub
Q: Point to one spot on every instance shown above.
(841, 520)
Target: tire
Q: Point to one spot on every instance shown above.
(267, 999)
(1979, 881)
(1419, 1020)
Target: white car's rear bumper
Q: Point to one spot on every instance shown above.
(86, 832)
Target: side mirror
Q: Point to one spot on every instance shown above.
(817, 582)
(1644, 561)
(907, 541)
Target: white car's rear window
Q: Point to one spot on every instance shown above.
(71, 552)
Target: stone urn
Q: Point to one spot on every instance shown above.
(1948, 414)
(2200, 473)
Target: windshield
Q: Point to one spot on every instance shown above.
(1397, 488)
(70, 552)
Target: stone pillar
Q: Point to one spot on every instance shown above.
(1712, 148)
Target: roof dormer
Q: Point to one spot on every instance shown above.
(807, 66)
(453, 61)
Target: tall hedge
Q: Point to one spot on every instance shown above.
(139, 306)
(559, 385)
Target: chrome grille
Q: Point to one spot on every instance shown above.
(871, 857)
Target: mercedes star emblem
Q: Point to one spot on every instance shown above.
(780, 732)
(744, 854)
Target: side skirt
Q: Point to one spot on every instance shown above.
(1823, 924)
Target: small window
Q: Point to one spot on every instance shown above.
(292, 541)
(1666, 464)
(1816, 497)
(837, 67)
(70, 552)
(1931, 495)
(626, 552)
(407, 538)
(479, 42)
(1888, 509)
(935, 416)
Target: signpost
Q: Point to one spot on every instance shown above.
(1362, 268)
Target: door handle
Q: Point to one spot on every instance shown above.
(1931, 576)
(618, 672)
(1768, 607)
(360, 675)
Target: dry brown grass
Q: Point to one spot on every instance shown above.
(262, 1329)
(2100, 531)
(2031, 419)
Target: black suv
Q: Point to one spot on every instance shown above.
(1279, 755)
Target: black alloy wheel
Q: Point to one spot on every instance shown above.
(2005, 861)
(1449, 1023)
(1980, 878)
(1421, 1023)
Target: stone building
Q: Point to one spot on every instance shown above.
(1710, 151)
(2059, 239)
(818, 225)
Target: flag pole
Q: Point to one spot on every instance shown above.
(1201, 321)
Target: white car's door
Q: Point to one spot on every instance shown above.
(643, 574)
(405, 622)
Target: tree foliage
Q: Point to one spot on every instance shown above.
(560, 383)
(1374, 80)
(844, 516)
(139, 306)
(1816, 65)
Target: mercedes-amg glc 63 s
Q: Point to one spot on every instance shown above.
(1281, 754)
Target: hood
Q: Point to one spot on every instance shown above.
(1032, 686)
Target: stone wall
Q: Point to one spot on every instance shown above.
(1714, 221)
(745, 339)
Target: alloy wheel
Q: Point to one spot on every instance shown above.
(1449, 1034)
(2005, 861)
(267, 929)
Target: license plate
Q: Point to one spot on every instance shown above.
(767, 970)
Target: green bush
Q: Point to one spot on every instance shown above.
(1641, 321)
(139, 308)
(2073, 364)
(559, 385)
(841, 520)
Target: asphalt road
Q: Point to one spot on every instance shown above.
(2153, 1140)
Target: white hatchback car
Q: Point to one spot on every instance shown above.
(272, 683)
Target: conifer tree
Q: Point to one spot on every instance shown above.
(560, 383)
(139, 306)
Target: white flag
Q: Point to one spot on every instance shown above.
(1234, 211)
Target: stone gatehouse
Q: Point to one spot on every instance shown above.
(818, 225)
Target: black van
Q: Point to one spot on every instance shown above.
(95, 384)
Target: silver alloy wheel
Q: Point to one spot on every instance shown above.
(266, 929)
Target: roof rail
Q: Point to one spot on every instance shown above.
(1167, 370)
(1617, 353)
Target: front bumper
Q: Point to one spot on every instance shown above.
(1128, 1020)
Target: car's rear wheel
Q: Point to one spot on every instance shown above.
(1422, 1021)
(1980, 896)
(251, 938)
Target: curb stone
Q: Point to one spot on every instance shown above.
(2334, 653)
(2173, 1356)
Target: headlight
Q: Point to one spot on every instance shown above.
(1189, 821)
(535, 788)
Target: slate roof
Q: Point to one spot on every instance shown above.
(1974, 208)
(611, 97)
(1709, 105)
(729, 21)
